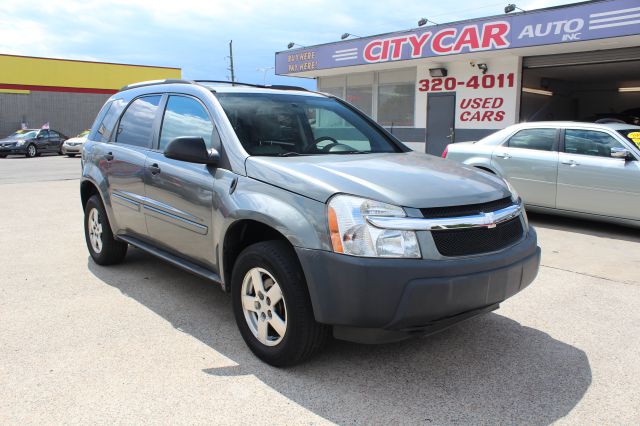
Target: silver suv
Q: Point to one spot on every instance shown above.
(311, 215)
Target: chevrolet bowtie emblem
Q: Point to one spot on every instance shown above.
(489, 220)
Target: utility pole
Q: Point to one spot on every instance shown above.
(233, 78)
(264, 71)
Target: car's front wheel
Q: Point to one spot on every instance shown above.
(32, 151)
(272, 307)
(71, 155)
(104, 249)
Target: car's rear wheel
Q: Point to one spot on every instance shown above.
(32, 151)
(104, 249)
(3, 156)
(272, 307)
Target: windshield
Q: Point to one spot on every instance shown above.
(83, 134)
(284, 124)
(23, 134)
(632, 135)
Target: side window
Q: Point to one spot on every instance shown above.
(538, 139)
(103, 127)
(185, 116)
(43, 134)
(53, 134)
(589, 142)
(136, 124)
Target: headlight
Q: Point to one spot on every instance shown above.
(20, 143)
(514, 194)
(351, 233)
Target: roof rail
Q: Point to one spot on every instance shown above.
(261, 86)
(154, 82)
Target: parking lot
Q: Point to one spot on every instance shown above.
(146, 342)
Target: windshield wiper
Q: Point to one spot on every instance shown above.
(350, 152)
(289, 154)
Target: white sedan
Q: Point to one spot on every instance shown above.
(73, 146)
(577, 169)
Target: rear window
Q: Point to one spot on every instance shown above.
(537, 139)
(632, 135)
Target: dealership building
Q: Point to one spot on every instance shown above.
(67, 94)
(460, 81)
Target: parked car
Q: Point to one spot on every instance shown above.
(31, 143)
(629, 116)
(310, 214)
(73, 146)
(570, 168)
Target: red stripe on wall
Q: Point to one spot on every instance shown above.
(57, 89)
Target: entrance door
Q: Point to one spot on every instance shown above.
(441, 118)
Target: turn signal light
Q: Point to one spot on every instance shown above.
(334, 231)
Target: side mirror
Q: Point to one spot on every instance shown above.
(191, 150)
(40, 136)
(621, 153)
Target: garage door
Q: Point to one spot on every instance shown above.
(601, 85)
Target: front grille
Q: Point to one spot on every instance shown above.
(466, 242)
(467, 210)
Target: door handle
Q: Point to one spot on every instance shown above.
(154, 168)
(451, 133)
(108, 156)
(571, 163)
(503, 155)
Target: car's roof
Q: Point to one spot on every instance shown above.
(612, 126)
(218, 87)
(249, 89)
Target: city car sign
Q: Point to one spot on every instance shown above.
(581, 22)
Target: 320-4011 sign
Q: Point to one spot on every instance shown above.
(486, 81)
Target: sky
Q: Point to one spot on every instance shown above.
(194, 34)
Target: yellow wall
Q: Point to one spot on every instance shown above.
(64, 73)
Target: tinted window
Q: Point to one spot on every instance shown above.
(282, 124)
(538, 139)
(107, 118)
(136, 124)
(185, 117)
(589, 142)
(43, 134)
(53, 134)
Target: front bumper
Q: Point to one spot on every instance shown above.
(375, 300)
(14, 150)
(66, 149)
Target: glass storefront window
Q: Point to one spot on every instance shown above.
(396, 104)
(361, 97)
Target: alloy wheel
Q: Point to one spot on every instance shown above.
(95, 230)
(264, 307)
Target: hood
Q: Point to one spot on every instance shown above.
(77, 140)
(6, 140)
(406, 179)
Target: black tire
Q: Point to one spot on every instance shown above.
(31, 152)
(304, 337)
(3, 156)
(71, 155)
(111, 251)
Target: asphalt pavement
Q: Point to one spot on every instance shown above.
(144, 342)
